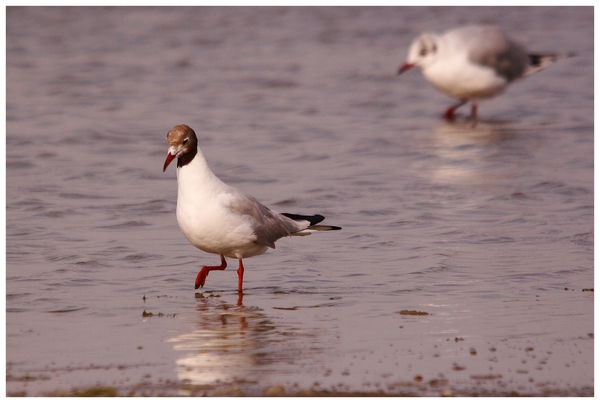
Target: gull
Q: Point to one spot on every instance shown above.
(220, 219)
(472, 62)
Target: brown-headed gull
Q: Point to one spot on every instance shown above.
(472, 62)
(220, 219)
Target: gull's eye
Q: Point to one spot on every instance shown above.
(434, 48)
(185, 141)
(423, 51)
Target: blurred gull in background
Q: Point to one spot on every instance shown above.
(473, 62)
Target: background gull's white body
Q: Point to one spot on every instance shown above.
(472, 62)
(459, 69)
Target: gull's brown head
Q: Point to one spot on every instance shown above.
(183, 144)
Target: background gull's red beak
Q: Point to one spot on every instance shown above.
(404, 67)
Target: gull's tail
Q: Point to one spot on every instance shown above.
(311, 223)
(539, 61)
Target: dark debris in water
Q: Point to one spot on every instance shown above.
(583, 289)
(211, 295)
(98, 391)
(413, 312)
(26, 378)
(160, 314)
(456, 367)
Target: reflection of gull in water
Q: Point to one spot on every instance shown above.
(237, 345)
(220, 349)
(458, 153)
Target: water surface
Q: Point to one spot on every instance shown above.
(465, 263)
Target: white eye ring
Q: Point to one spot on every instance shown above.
(185, 141)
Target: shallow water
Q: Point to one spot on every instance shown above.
(485, 231)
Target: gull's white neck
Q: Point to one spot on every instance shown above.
(195, 180)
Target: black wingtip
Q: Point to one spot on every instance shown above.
(537, 60)
(312, 219)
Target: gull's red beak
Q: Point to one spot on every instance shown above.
(170, 158)
(404, 67)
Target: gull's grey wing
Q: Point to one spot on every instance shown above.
(268, 226)
(491, 47)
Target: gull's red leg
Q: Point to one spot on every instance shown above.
(474, 113)
(240, 273)
(449, 114)
(474, 110)
(201, 278)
